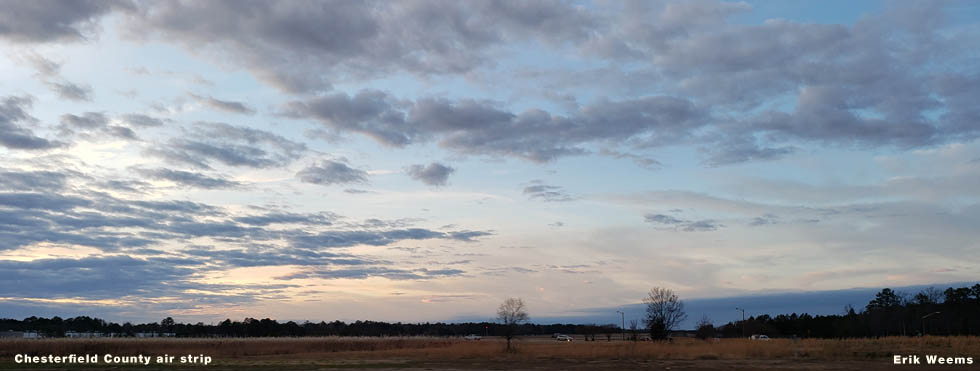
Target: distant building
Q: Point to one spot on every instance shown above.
(155, 334)
(20, 335)
(83, 335)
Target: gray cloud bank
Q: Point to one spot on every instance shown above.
(161, 249)
(716, 82)
(717, 79)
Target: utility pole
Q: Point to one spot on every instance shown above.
(623, 327)
(743, 320)
(924, 321)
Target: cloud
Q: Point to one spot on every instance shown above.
(49, 21)
(45, 181)
(89, 120)
(764, 220)
(369, 112)
(735, 73)
(45, 67)
(334, 239)
(94, 277)
(742, 149)
(661, 219)
(329, 172)
(394, 223)
(224, 105)
(14, 136)
(362, 273)
(720, 66)
(70, 219)
(434, 174)
(49, 73)
(131, 186)
(263, 257)
(481, 127)
(549, 193)
(250, 136)
(96, 126)
(189, 179)
(468, 236)
(720, 84)
(209, 142)
(838, 101)
(288, 218)
(703, 225)
(168, 282)
(303, 48)
(141, 120)
(644, 162)
(112, 225)
(71, 91)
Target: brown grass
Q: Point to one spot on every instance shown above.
(690, 349)
(438, 349)
(231, 347)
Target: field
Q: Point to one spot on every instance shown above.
(531, 353)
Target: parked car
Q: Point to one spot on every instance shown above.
(472, 337)
(563, 338)
(760, 337)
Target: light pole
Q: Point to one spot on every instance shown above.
(924, 321)
(743, 320)
(623, 327)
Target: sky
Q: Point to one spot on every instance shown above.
(425, 160)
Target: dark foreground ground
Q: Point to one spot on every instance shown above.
(593, 365)
(490, 354)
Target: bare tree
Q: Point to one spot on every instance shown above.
(512, 313)
(633, 327)
(930, 295)
(705, 329)
(664, 312)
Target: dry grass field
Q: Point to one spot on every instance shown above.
(531, 353)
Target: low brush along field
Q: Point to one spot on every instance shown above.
(543, 353)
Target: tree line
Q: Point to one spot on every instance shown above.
(251, 327)
(953, 311)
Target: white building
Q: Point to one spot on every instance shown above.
(155, 334)
(83, 335)
(20, 335)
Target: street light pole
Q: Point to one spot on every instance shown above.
(623, 327)
(743, 320)
(924, 321)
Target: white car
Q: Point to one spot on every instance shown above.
(760, 337)
(563, 338)
(472, 337)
